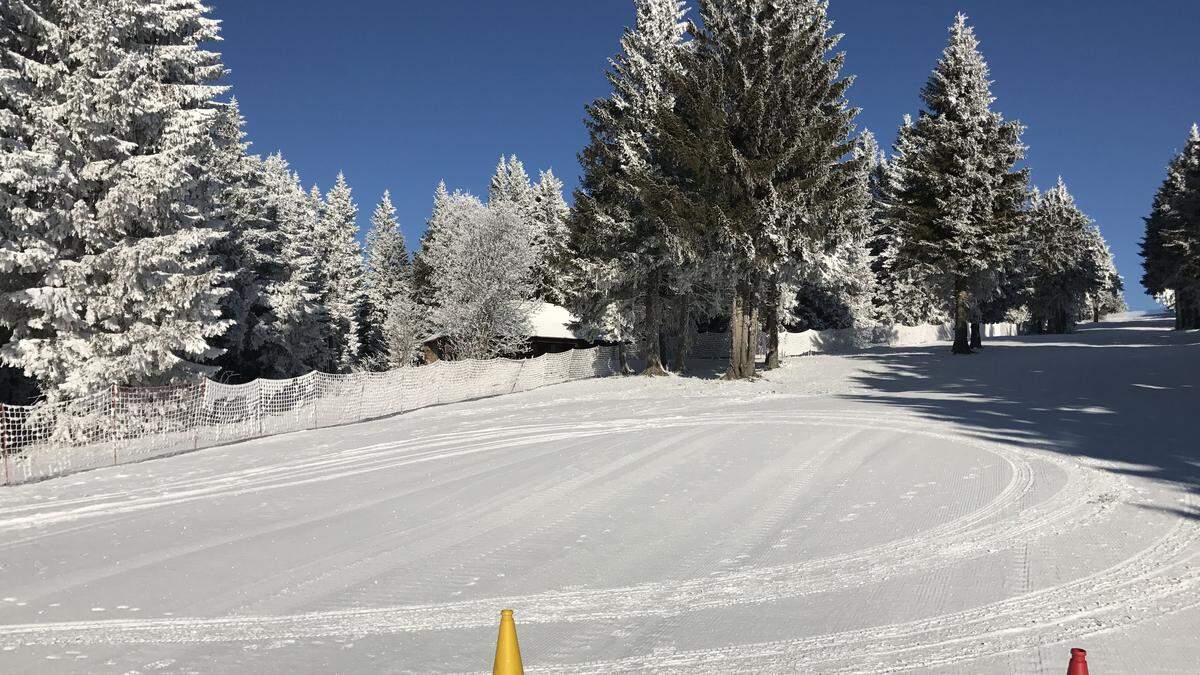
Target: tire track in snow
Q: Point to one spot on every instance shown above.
(971, 535)
(344, 465)
(379, 553)
(1159, 580)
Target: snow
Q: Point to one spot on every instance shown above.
(897, 509)
(552, 321)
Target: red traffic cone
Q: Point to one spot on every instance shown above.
(1078, 665)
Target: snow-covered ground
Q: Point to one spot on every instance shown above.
(894, 510)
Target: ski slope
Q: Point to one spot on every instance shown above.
(896, 510)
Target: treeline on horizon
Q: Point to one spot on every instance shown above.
(725, 187)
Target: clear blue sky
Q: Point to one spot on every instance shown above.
(400, 95)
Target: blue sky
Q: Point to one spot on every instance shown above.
(400, 94)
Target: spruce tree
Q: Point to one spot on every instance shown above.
(626, 251)
(833, 286)
(1062, 267)
(422, 273)
(126, 288)
(1108, 295)
(295, 339)
(389, 291)
(33, 221)
(554, 276)
(511, 183)
(761, 128)
(251, 249)
(902, 296)
(1171, 247)
(957, 209)
(342, 270)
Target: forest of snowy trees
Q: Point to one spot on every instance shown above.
(725, 187)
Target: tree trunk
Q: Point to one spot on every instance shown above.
(743, 324)
(772, 320)
(1187, 312)
(623, 360)
(1095, 313)
(652, 338)
(683, 343)
(976, 335)
(962, 341)
(1060, 323)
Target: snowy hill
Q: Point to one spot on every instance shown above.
(892, 510)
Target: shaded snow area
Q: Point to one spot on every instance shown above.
(900, 509)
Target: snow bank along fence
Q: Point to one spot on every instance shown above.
(123, 425)
(840, 341)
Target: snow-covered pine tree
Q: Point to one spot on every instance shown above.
(834, 286)
(903, 296)
(251, 250)
(404, 331)
(128, 290)
(33, 221)
(1108, 296)
(1171, 247)
(762, 125)
(389, 291)
(480, 265)
(422, 274)
(626, 253)
(543, 206)
(511, 183)
(554, 276)
(958, 207)
(1061, 263)
(880, 234)
(341, 259)
(294, 341)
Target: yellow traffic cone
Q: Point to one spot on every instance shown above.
(508, 652)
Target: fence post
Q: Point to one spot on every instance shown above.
(517, 379)
(258, 387)
(4, 440)
(316, 377)
(199, 415)
(112, 417)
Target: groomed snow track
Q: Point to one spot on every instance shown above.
(896, 511)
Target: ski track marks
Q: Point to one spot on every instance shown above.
(1159, 579)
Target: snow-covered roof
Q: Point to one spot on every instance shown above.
(551, 321)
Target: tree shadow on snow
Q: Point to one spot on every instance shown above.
(1122, 392)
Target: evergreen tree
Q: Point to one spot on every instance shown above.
(1062, 267)
(1108, 296)
(626, 252)
(33, 221)
(389, 291)
(124, 288)
(554, 276)
(342, 268)
(761, 128)
(1171, 247)
(901, 296)
(957, 208)
(511, 184)
(294, 339)
(834, 286)
(422, 273)
(251, 250)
